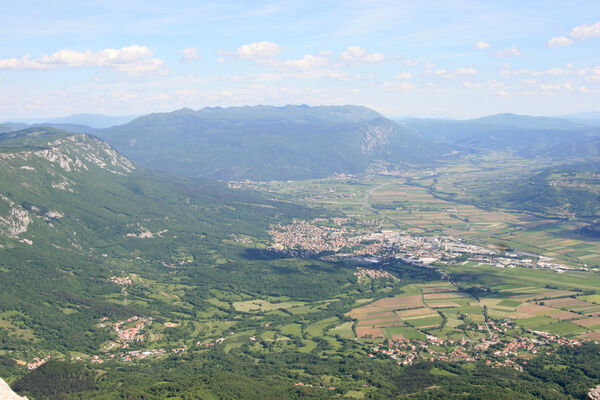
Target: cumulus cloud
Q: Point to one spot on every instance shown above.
(189, 55)
(356, 54)
(554, 72)
(559, 41)
(457, 72)
(482, 45)
(132, 60)
(308, 61)
(508, 52)
(558, 71)
(404, 75)
(550, 87)
(259, 50)
(470, 71)
(581, 32)
(186, 92)
(471, 85)
(488, 84)
(393, 86)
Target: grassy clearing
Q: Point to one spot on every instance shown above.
(344, 331)
(263, 305)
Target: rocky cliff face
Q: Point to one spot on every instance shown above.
(375, 135)
(594, 393)
(42, 162)
(6, 392)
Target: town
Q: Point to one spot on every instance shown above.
(339, 238)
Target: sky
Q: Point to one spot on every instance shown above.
(452, 58)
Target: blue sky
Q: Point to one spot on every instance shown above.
(457, 59)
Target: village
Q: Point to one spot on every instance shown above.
(508, 352)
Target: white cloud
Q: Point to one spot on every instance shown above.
(306, 62)
(584, 89)
(558, 71)
(404, 75)
(508, 52)
(583, 32)
(559, 41)
(413, 63)
(189, 55)
(258, 51)
(482, 45)
(397, 86)
(470, 71)
(523, 71)
(356, 54)
(477, 85)
(471, 85)
(568, 86)
(429, 65)
(132, 60)
(457, 72)
(502, 93)
(550, 87)
(186, 92)
(554, 72)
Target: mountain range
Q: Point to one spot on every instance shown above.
(521, 135)
(265, 142)
(96, 121)
(301, 142)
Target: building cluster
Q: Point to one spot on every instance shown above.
(38, 362)
(495, 352)
(121, 281)
(362, 273)
(343, 238)
(310, 385)
(129, 333)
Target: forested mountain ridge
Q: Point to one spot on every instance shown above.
(266, 142)
(521, 135)
(74, 212)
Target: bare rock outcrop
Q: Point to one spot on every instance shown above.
(594, 393)
(6, 392)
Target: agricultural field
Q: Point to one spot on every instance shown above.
(415, 203)
(550, 303)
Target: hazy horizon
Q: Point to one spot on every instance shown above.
(393, 117)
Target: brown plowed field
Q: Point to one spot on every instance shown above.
(369, 332)
(588, 321)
